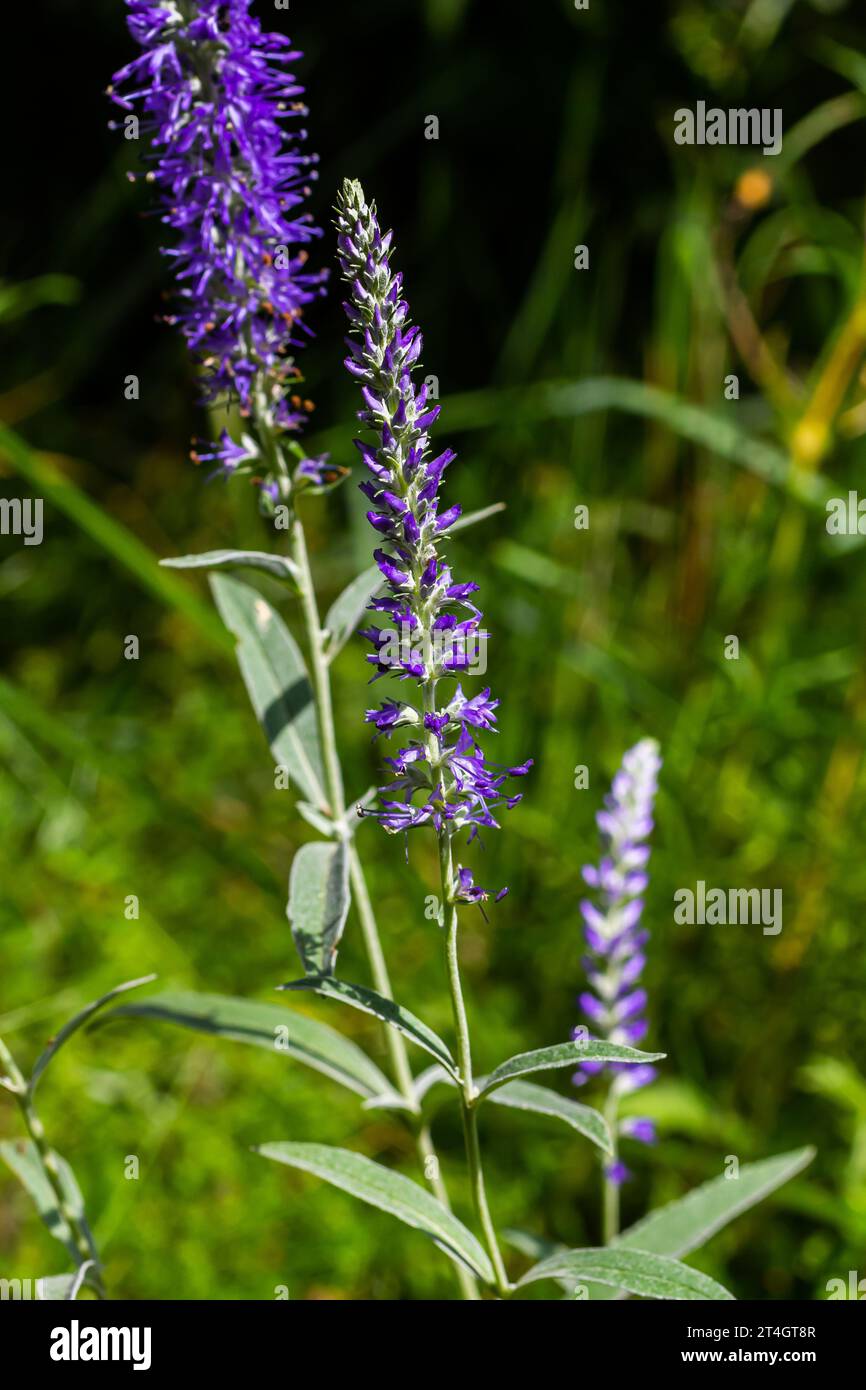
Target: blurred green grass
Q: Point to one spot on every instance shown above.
(151, 778)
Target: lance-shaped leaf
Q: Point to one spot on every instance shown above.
(535, 1247)
(321, 823)
(538, 1248)
(65, 1288)
(279, 566)
(369, 1002)
(22, 1157)
(635, 1271)
(281, 1031)
(688, 1223)
(568, 1054)
(390, 1192)
(56, 1288)
(277, 682)
(319, 903)
(421, 1086)
(426, 1080)
(78, 1022)
(524, 1095)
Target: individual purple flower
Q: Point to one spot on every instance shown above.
(617, 1173)
(214, 96)
(434, 628)
(614, 1005)
(318, 474)
(230, 457)
(643, 1130)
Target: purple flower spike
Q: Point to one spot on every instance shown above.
(215, 100)
(436, 634)
(615, 1005)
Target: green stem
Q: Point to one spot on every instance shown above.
(360, 894)
(319, 672)
(48, 1161)
(610, 1223)
(464, 1061)
(378, 968)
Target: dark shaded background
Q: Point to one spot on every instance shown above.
(150, 777)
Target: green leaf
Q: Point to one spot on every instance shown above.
(688, 1223)
(58, 490)
(78, 1022)
(472, 518)
(390, 1192)
(270, 1026)
(346, 612)
(369, 1002)
(276, 678)
(708, 428)
(18, 300)
(568, 1054)
(22, 1156)
(569, 400)
(524, 1095)
(319, 903)
(635, 1271)
(278, 565)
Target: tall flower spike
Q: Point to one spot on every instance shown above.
(615, 1003)
(440, 777)
(214, 95)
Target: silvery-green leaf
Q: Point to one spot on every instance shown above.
(270, 1026)
(432, 1076)
(22, 1156)
(277, 682)
(354, 809)
(55, 1288)
(569, 1054)
(317, 819)
(77, 1022)
(346, 612)
(319, 903)
(65, 1288)
(635, 1271)
(536, 1247)
(278, 565)
(524, 1095)
(390, 1192)
(423, 1083)
(369, 1002)
(688, 1223)
(390, 1100)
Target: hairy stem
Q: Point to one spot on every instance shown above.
(464, 1061)
(360, 894)
(48, 1162)
(610, 1210)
